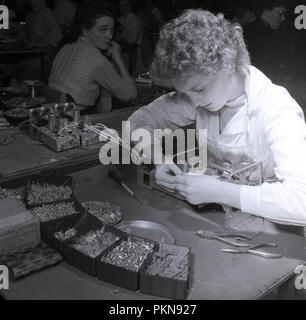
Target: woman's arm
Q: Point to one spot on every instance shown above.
(171, 111)
(285, 134)
(54, 32)
(119, 84)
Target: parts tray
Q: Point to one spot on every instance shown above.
(162, 286)
(82, 261)
(48, 228)
(52, 180)
(120, 276)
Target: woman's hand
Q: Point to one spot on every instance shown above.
(198, 189)
(114, 50)
(165, 175)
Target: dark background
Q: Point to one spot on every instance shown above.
(278, 53)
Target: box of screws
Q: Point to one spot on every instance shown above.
(167, 273)
(121, 265)
(57, 217)
(56, 232)
(85, 249)
(108, 213)
(43, 190)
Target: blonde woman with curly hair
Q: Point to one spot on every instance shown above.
(203, 57)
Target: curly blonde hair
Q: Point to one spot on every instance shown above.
(197, 41)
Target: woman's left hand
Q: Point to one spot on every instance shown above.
(198, 189)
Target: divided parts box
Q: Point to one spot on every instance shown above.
(83, 261)
(162, 286)
(120, 276)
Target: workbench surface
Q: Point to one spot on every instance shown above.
(214, 274)
(21, 156)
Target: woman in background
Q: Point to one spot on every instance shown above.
(91, 69)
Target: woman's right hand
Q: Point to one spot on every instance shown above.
(164, 175)
(114, 50)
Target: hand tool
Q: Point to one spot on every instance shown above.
(252, 250)
(212, 236)
(114, 175)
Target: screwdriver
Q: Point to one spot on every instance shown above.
(114, 175)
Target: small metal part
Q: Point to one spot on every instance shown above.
(76, 116)
(86, 120)
(52, 121)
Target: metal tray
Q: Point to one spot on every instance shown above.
(147, 229)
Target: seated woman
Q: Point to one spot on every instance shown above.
(83, 69)
(247, 117)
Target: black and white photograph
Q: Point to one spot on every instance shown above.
(152, 152)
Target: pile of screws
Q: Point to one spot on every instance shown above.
(64, 235)
(108, 213)
(95, 242)
(9, 193)
(170, 262)
(54, 211)
(130, 254)
(46, 193)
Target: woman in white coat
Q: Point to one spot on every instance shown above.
(204, 58)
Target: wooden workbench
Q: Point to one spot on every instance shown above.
(214, 274)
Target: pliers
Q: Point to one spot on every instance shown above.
(252, 250)
(221, 237)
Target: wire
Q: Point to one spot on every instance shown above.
(22, 123)
(73, 124)
(116, 140)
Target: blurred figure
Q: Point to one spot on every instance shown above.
(268, 40)
(130, 37)
(150, 33)
(43, 28)
(156, 12)
(64, 11)
(245, 13)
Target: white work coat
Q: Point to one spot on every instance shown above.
(269, 127)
